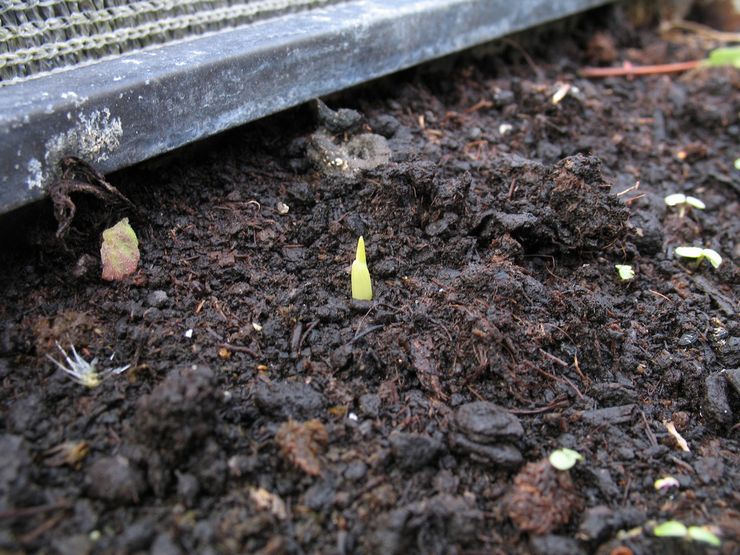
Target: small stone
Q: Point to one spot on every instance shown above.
(356, 470)
(385, 125)
(733, 378)
(137, 536)
(716, 404)
(288, 399)
(414, 451)
(320, 495)
(709, 469)
(370, 405)
(157, 299)
(597, 524)
(187, 489)
(484, 422)
(503, 454)
(115, 479)
(604, 482)
(687, 339)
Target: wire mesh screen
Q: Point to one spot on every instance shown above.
(38, 36)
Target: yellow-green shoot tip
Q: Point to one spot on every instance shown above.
(362, 287)
(360, 255)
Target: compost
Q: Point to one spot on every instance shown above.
(265, 411)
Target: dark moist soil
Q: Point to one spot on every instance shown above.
(266, 412)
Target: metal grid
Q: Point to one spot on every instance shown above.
(38, 36)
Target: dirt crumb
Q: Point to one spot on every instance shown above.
(302, 443)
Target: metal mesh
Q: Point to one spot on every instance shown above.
(38, 36)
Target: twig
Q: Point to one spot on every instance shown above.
(628, 189)
(648, 431)
(683, 464)
(239, 349)
(527, 58)
(41, 529)
(661, 295)
(629, 70)
(309, 327)
(560, 379)
(30, 511)
(626, 491)
(704, 30)
(366, 331)
(556, 404)
(554, 358)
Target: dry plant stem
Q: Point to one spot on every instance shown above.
(704, 31)
(629, 70)
(23, 512)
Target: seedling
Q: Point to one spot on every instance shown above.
(684, 202)
(727, 56)
(625, 271)
(564, 459)
(362, 287)
(699, 254)
(676, 529)
(666, 483)
(83, 372)
(737, 164)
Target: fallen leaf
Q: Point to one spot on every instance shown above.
(302, 442)
(120, 251)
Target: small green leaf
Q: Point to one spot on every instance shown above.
(679, 198)
(737, 164)
(670, 529)
(689, 252)
(727, 56)
(119, 252)
(675, 199)
(703, 534)
(625, 271)
(713, 256)
(564, 459)
(696, 203)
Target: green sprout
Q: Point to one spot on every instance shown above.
(703, 534)
(676, 529)
(698, 254)
(564, 459)
(670, 529)
(625, 271)
(679, 199)
(362, 287)
(727, 56)
(737, 164)
(667, 482)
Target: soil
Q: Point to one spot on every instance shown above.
(265, 411)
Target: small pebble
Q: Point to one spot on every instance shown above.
(115, 479)
(157, 299)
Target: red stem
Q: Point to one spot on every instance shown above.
(628, 70)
